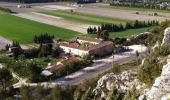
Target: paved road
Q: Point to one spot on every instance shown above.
(100, 66)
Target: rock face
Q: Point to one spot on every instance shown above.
(166, 38)
(123, 82)
(161, 87)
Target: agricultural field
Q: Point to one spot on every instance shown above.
(83, 17)
(126, 33)
(23, 30)
(137, 9)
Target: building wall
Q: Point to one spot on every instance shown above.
(102, 51)
(74, 51)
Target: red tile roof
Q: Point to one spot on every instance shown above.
(102, 44)
(89, 39)
(74, 45)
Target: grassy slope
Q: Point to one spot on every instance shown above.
(23, 30)
(84, 18)
(127, 32)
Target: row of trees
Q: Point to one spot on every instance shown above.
(26, 69)
(151, 5)
(43, 38)
(43, 50)
(121, 27)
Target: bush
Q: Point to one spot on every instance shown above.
(5, 10)
(164, 50)
(116, 69)
(150, 69)
(155, 14)
(137, 13)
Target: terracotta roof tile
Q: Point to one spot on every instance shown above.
(74, 45)
(89, 39)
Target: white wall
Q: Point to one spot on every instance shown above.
(74, 51)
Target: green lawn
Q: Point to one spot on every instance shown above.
(127, 32)
(137, 9)
(84, 18)
(23, 30)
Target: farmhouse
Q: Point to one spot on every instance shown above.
(83, 46)
(59, 66)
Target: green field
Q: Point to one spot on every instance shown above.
(84, 18)
(23, 30)
(136, 9)
(127, 32)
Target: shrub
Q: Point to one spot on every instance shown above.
(150, 69)
(5, 10)
(137, 13)
(155, 14)
(164, 50)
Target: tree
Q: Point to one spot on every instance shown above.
(104, 35)
(16, 49)
(5, 78)
(33, 72)
(38, 93)
(25, 93)
(45, 50)
(43, 38)
(56, 52)
(56, 93)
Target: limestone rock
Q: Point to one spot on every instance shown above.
(123, 82)
(166, 38)
(161, 86)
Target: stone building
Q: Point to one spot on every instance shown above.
(83, 46)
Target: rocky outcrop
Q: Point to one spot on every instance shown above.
(166, 38)
(161, 87)
(123, 82)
